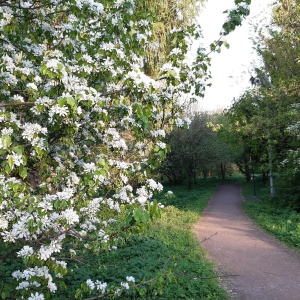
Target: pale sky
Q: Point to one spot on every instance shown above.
(230, 69)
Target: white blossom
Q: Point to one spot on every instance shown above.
(90, 284)
(32, 86)
(36, 296)
(70, 216)
(25, 251)
(101, 286)
(91, 127)
(31, 130)
(3, 223)
(16, 158)
(125, 285)
(58, 110)
(130, 278)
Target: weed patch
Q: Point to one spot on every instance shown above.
(282, 222)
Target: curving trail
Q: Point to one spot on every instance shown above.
(264, 268)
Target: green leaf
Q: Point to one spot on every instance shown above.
(7, 169)
(212, 47)
(6, 141)
(60, 66)
(30, 223)
(61, 101)
(17, 150)
(15, 187)
(5, 294)
(64, 204)
(141, 216)
(129, 220)
(171, 73)
(161, 154)
(10, 162)
(71, 101)
(23, 172)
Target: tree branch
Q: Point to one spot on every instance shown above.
(33, 103)
(17, 104)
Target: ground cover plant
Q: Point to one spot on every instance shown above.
(272, 214)
(166, 258)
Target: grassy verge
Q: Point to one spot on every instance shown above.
(168, 246)
(281, 222)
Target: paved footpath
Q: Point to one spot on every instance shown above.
(264, 268)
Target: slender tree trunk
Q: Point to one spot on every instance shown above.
(223, 171)
(190, 183)
(264, 177)
(247, 173)
(272, 189)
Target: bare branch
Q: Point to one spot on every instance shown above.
(203, 278)
(17, 104)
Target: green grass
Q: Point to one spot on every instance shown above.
(168, 246)
(256, 188)
(167, 252)
(271, 215)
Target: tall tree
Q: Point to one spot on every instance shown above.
(279, 49)
(194, 151)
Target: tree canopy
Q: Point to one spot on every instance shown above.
(264, 121)
(195, 151)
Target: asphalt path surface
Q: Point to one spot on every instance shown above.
(254, 265)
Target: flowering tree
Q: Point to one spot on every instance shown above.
(81, 126)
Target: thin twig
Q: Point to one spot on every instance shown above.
(208, 238)
(17, 104)
(204, 278)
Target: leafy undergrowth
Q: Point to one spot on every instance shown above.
(282, 222)
(167, 251)
(166, 257)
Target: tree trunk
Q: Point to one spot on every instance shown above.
(195, 178)
(223, 171)
(247, 173)
(264, 178)
(190, 181)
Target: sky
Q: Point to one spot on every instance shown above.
(230, 69)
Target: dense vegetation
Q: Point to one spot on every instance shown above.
(272, 214)
(196, 152)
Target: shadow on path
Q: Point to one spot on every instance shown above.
(264, 268)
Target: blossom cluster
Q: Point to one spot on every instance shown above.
(86, 127)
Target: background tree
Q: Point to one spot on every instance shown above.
(279, 49)
(170, 19)
(194, 151)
